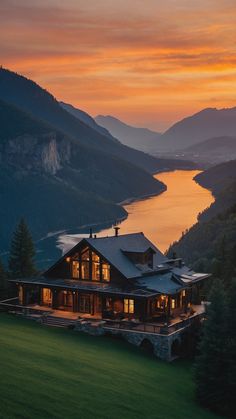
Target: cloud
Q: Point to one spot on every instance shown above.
(109, 55)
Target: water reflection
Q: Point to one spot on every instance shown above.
(163, 218)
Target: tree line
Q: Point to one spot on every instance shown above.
(215, 364)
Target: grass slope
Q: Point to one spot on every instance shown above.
(54, 373)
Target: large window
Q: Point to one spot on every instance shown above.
(84, 303)
(105, 272)
(20, 294)
(85, 264)
(128, 306)
(89, 266)
(47, 296)
(95, 267)
(75, 269)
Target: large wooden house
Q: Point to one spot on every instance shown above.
(119, 277)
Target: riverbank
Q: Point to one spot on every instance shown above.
(164, 217)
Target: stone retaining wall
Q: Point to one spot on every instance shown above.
(161, 344)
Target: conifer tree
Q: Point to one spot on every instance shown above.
(21, 261)
(231, 350)
(211, 363)
(3, 277)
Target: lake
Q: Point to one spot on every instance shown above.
(162, 218)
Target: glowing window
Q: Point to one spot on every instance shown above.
(106, 272)
(128, 306)
(85, 264)
(47, 296)
(95, 267)
(75, 269)
(172, 303)
(20, 294)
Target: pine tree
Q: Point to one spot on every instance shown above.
(231, 350)
(3, 278)
(211, 363)
(21, 261)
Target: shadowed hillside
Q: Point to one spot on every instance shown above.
(57, 183)
(214, 236)
(28, 96)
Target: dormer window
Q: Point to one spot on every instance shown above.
(141, 258)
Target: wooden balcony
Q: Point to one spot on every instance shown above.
(154, 327)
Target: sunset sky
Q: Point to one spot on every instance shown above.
(148, 62)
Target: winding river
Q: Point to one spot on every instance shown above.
(162, 218)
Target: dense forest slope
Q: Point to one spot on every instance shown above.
(56, 183)
(217, 178)
(210, 244)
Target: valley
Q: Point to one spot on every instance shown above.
(162, 218)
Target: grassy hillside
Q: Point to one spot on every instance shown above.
(54, 373)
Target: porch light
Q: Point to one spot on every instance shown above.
(68, 259)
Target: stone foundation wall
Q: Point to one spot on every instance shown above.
(161, 344)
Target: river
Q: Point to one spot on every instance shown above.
(162, 218)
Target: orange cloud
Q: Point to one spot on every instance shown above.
(147, 62)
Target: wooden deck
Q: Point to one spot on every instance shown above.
(35, 311)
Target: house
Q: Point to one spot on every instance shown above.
(116, 278)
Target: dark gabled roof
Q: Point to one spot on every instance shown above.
(163, 278)
(112, 248)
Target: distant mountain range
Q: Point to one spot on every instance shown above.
(208, 123)
(140, 138)
(205, 137)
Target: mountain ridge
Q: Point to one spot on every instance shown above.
(205, 124)
(142, 139)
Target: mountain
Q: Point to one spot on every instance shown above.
(214, 150)
(221, 180)
(57, 183)
(208, 123)
(31, 98)
(219, 177)
(140, 138)
(57, 171)
(87, 119)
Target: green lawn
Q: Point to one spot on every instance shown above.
(57, 373)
